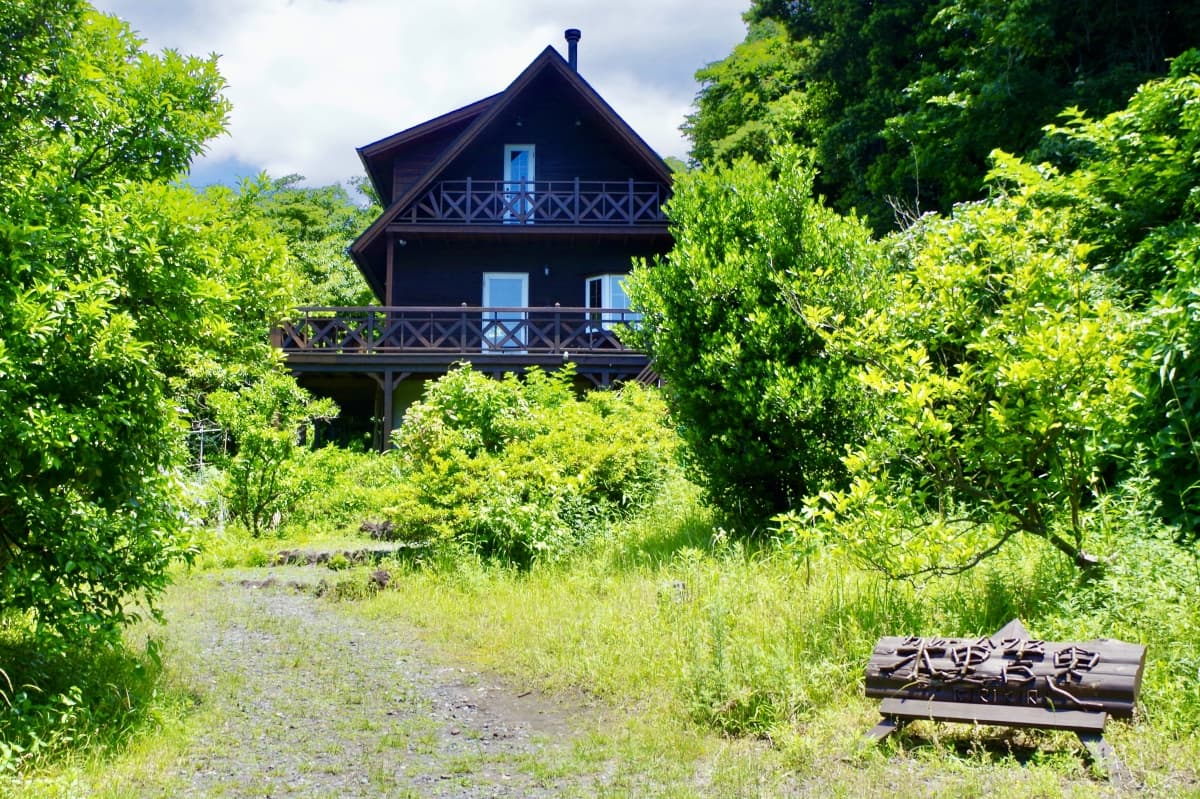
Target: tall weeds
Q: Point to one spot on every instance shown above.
(756, 640)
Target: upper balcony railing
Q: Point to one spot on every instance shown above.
(461, 330)
(540, 202)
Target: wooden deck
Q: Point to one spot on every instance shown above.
(430, 339)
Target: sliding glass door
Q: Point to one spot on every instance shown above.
(504, 330)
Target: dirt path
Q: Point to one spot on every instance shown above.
(302, 698)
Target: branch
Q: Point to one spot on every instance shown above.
(949, 571)
(1090, 564)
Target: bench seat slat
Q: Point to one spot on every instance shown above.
(1005, 715)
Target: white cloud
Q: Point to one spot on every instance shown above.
(310, 80)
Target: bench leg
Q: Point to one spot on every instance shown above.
(886, 726)
(1104, 757)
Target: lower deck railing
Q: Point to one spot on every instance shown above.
(461, 330)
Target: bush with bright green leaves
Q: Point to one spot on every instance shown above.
(1131, 182)
(267, 420)
(341, 490)
(1004, 381)
(732, 318)
(114, 281)
(521, 469)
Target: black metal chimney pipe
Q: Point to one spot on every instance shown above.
(573, 35)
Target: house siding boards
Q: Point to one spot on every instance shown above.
(411, 164)
(565, 151)
(378, 157)
(448, 273)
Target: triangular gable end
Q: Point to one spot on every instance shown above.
(377, 157)
(370, 243)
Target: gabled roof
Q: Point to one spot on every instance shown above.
(377, 156)
(486, 112)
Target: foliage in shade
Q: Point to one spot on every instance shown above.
(113, 284)
(901, 102)
(765, 410)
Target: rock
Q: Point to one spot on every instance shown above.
(381, 531)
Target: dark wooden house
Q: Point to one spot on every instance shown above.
(509, 226)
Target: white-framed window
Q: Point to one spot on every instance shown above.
(607, 292)
(519, 175)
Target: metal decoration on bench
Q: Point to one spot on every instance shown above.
(1008, 679)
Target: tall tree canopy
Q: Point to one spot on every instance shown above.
(319, 225)
(903, 101)
(114, 282)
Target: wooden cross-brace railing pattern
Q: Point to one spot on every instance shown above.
(544, 202)
(461, 330)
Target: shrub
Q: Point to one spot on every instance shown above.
(340, 489)
(114, 281)
(521, 469)
(1133, 194)
(732, 319)
(265, 420)
(1003, 375)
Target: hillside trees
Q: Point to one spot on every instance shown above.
(749, 100)
(319, 224)
(115, 283)
(902, 102)
(764, 409)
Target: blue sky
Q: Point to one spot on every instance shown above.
(310, 80)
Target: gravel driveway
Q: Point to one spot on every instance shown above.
(307, 699)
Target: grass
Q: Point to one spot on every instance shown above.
(716, 669)
(692, 637)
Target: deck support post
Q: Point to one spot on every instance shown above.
(387, 382)
(390, 299)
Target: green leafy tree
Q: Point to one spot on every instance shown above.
(851, 62)
(319, 225)
(1002, 70)
(764, 408)
(748, 99)
(1003, 376)
(903, 101)
(1130, 181)
(112, 283)
(267, 420)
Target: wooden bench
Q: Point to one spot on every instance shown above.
(1009, 679)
